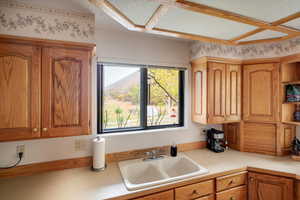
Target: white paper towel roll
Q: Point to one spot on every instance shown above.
(99, 153)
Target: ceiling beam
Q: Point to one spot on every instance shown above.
(159, 12)
(182, 35)
(203, 9)
(114, 13)
(265, 40)
(275, 23)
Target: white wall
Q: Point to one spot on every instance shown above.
(118, 47)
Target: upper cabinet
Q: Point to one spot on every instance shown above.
(45, 91)
(20, 72)
(65, 92)
(261, 92)
(216, 92)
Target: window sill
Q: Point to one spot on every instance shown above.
(183, 128)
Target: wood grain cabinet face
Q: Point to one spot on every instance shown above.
(216, 92)
(20, 91)
(199, 93)
(266, 187)
(233, 92)
(167, 195)
(232, 134)
(65, 92)
(238, 193)
(195, 190)
(261, 92)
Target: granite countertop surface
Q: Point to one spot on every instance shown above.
(83, 184)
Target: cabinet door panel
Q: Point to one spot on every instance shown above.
(216, 93)
(261, 92)
(232, 134)
(233, 93)
(66, 92)
(266, 187)
(199, 91)
(20, 91)
(167, 195)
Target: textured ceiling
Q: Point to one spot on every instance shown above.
(268, 10)
(195, 23)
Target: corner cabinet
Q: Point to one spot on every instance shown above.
(267, 187)
(45, 89)
(216, 92)
(261, 92)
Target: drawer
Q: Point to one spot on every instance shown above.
(238, 193)
(167, 195)
(195, 190)
(209, 197)
(234, 180)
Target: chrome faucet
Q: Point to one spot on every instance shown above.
(153, 155)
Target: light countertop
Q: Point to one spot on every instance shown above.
(83, 184)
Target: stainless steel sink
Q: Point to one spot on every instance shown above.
(138, 174)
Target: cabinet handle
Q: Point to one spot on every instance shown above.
(195, 192)
(45, 129)
(35, 129)
(231, 182)
(232, 198)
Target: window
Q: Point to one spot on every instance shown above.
(134, 97)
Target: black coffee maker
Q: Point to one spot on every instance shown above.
(216, 140)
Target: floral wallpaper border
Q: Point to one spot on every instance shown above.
(262, 50)
(31, 21)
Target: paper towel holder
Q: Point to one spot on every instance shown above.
(100, 169)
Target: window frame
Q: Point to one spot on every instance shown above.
(143, 100)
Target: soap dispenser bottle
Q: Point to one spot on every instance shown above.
(174, 150)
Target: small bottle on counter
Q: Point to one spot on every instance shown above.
(173, 150)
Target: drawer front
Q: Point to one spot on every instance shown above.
(209, 197)
(195, 190)
(167, 195)
(227, 182)
(238, 193)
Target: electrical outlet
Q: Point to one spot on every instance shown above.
(20, 148)
(80, 145)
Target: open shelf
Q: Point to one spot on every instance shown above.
(290, 73)
(291, 83)
(295, 103)
(292, 122)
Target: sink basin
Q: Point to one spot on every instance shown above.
(138, 174)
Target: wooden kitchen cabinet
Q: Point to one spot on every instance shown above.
(238, 193)
(261, 92)
(45, 89)
(266, 187)
(232, 135)
(20, 76)
(167, 195)
(194, 191)
(66, 92)
(216, 91)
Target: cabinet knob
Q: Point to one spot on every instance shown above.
(232, 198)
(195, 192)
(45, 129)
(35, 129)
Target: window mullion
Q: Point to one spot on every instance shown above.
(144, 97)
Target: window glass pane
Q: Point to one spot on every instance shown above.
(163, 97)
(121, 97)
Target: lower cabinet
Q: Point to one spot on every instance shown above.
(237, 193)
(238, 186)
(167, 195)
(195, 191)
(267, 187)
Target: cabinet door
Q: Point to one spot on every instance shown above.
(20, 91)
(216, 92)
(261, 92)
(167, 195)
(199, 92)
(267, 187)
(232, 134)
(66, 92)
(260, 138)
(233, 92)
(286, 136)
